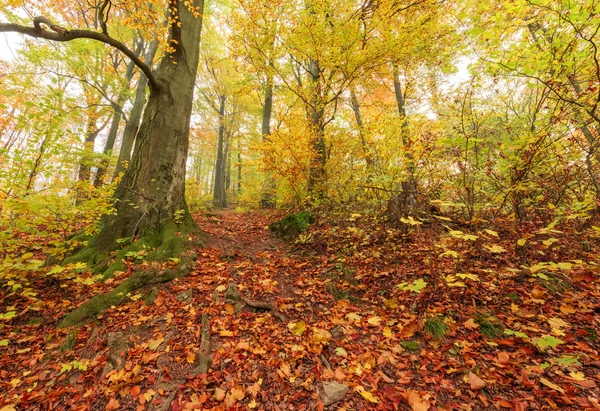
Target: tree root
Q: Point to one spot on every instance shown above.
(263, 305)
(204, 354)
(96, 305)
(169, 244)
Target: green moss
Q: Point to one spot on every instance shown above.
(293, 224)
(411, 346)
(151, 296)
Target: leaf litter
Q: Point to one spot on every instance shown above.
(350, 306)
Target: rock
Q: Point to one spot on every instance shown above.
(117, 349)
(185, 296)
(333, 392)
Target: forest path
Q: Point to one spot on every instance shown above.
(350, 309)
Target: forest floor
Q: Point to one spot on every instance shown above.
(434, 320)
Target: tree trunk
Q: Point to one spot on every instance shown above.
(239, 167)
(152, 190)
(404, 203)
(133, 123)
(114, 126)
(92, 131)
(267, 197)
(219, 193)
(359, 123)
(316, 120)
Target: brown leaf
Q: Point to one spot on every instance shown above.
(471, 324)
(135, 391)
(416, 402)
(113, 404)
(476, 382)
(503, 357)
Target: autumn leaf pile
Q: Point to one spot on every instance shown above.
(437, 316)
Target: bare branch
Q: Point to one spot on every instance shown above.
(61, 34)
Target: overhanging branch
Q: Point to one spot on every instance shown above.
(61, 34)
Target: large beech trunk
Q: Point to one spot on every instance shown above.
(150, 200)
(152, 190)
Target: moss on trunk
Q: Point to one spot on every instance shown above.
(174, 241)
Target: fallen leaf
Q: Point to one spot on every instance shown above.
(375, 321)
(577, 375)
(135, 391)
(551, 385)
(366, 394)
(297, 328)
(503, 357)
(229, 309)
(471, 324)
(320, 336)
(567, 309)
(219, 394)
(476, 382)
(113, 404)
(154, 344)
(416, 402)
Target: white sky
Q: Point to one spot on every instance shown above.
(9, 44)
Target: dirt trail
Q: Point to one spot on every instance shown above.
(285, 320)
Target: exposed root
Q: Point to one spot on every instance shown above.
(170, 243)
(101, 302)
(263, 305)
(204, 355)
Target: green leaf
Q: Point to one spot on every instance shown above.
(568, 360)
(341, 352)
(416, 286)
(546, 341)
(3, 343)
(515, 333)
(8, 315)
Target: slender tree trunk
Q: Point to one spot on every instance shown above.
(92, 131)
(219, 193)
(228, 162)
(114, 126)
(133, 123)
(404, 203)
(267, 198)
(239, 167)
(316, 114)
(359, 123)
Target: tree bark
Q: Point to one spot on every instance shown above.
(114, 126)
(316, 120)
(219, 193)
(152, 191)
(267, 199)
(133, 123)
(92, 131)
(359, 123)
(404, 203)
